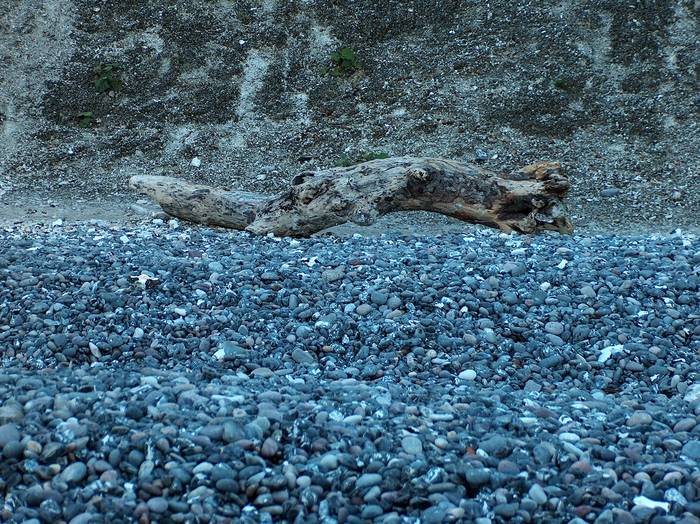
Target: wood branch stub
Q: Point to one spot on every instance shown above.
(526, 201)
(198, 203)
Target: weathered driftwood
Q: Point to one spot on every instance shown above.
(527, 201)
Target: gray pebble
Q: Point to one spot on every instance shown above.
(368, 480)
(412, 445)
(9, 433)
(639, 418)
(477, 477)
(506, 510)
(216, 267)
(74, 473)
(371, 511)
(378, 298)
(537, 494)
(588, 292)
(157, 504)
(302, 357)
(691, 449)
(363, 309)
(555, 328)
(332, 275)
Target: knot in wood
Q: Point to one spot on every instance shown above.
(419, 174)
(301, 177)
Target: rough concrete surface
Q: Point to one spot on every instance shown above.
(609, 88)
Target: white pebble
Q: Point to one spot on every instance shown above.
(467, 374)
(569, 437)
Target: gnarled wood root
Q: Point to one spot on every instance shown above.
(526, 201)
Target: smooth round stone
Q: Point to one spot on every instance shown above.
(262, 372)
(213, 432)
(269, 276)
(412, 445)
(302, 357)
(35, 495)
(378, 298)
(372, 494)
(555, 341)
(136, 411)
(9, 433)
(467, 374)
(363, 310)
(537, 494)
(216, 267)
(554, 328)
(59, 339)
(74, 473)
(581, 467)
(227, 485)
(469, 339)
(135, 457)
(303, 481)
(510, 298)
(528, 505)
(508, 467)
(692, 449)
(477, 477)
(588, 292)
(569, 437)
(496, 446)
(394, 303)
(203, 467)
(13, 450)
(639, 418)
(441, 442)
(84, 518)
(506, 510)
(329, 461)
(157, 505)
(552, 361)
(685, 424)
(269, 448)
(434, 515)
(303, 332)
(543, 453)
(368, 480)
(490, 336)
(263, 423)
(371, 511)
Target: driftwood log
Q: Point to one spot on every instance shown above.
(526, 201)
